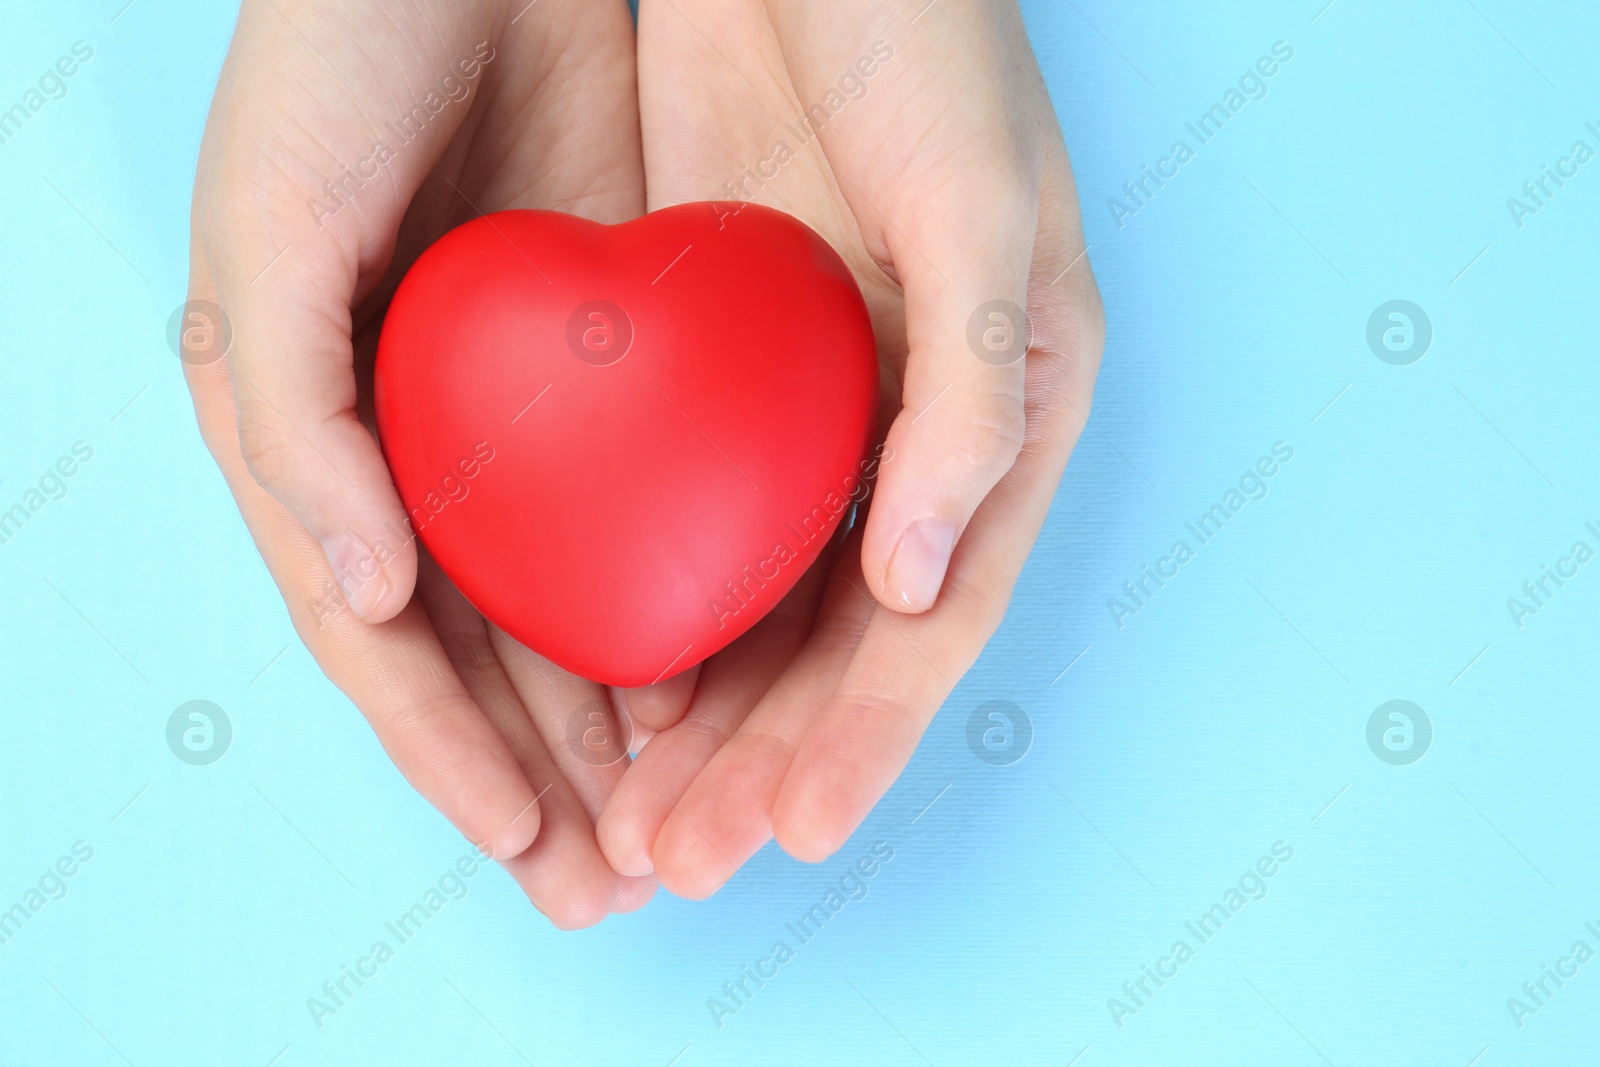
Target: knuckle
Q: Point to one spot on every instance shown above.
(762, 752)
(868, 716)
(227, 219)
(269, 452)
(1015, 180)
(1006, 170)
(988, 442)
(252, 202)
(984, 601)
(469, 652)
(710, 732)
(217, 432)
(1081, 324)
(1064, 360)
(1065, 308)
(839, 633)
(789, 624)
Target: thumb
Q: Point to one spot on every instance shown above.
(294, 391)
(297, 112)
(962, 423)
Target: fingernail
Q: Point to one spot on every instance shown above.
(357, 572)
(917, 566)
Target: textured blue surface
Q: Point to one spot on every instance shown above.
(1227, 717)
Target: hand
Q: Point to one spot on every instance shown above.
(343, 139)
(932, 159)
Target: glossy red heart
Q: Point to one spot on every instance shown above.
(624, 444)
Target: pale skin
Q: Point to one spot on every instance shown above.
(944, 184)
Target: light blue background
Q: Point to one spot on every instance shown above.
(1227, 715)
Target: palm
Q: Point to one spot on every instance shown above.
(500, 160)
(515, 687)
(797, 729)
(706, 136)
(550, 122)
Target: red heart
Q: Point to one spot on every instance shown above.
(625, 444)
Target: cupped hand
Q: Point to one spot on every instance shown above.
(344, 137)
(919, 139)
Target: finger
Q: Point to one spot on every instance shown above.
(288, 259)
(563, 873)
(657, 706)
(962, 421)
(588, 745)
(396, 674)
(429, 725)
(580, 729)
(905, 667)
(942, 175)
(731, 684)
(633, 894)
(725, 817)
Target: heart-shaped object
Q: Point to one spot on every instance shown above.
(624, 444)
